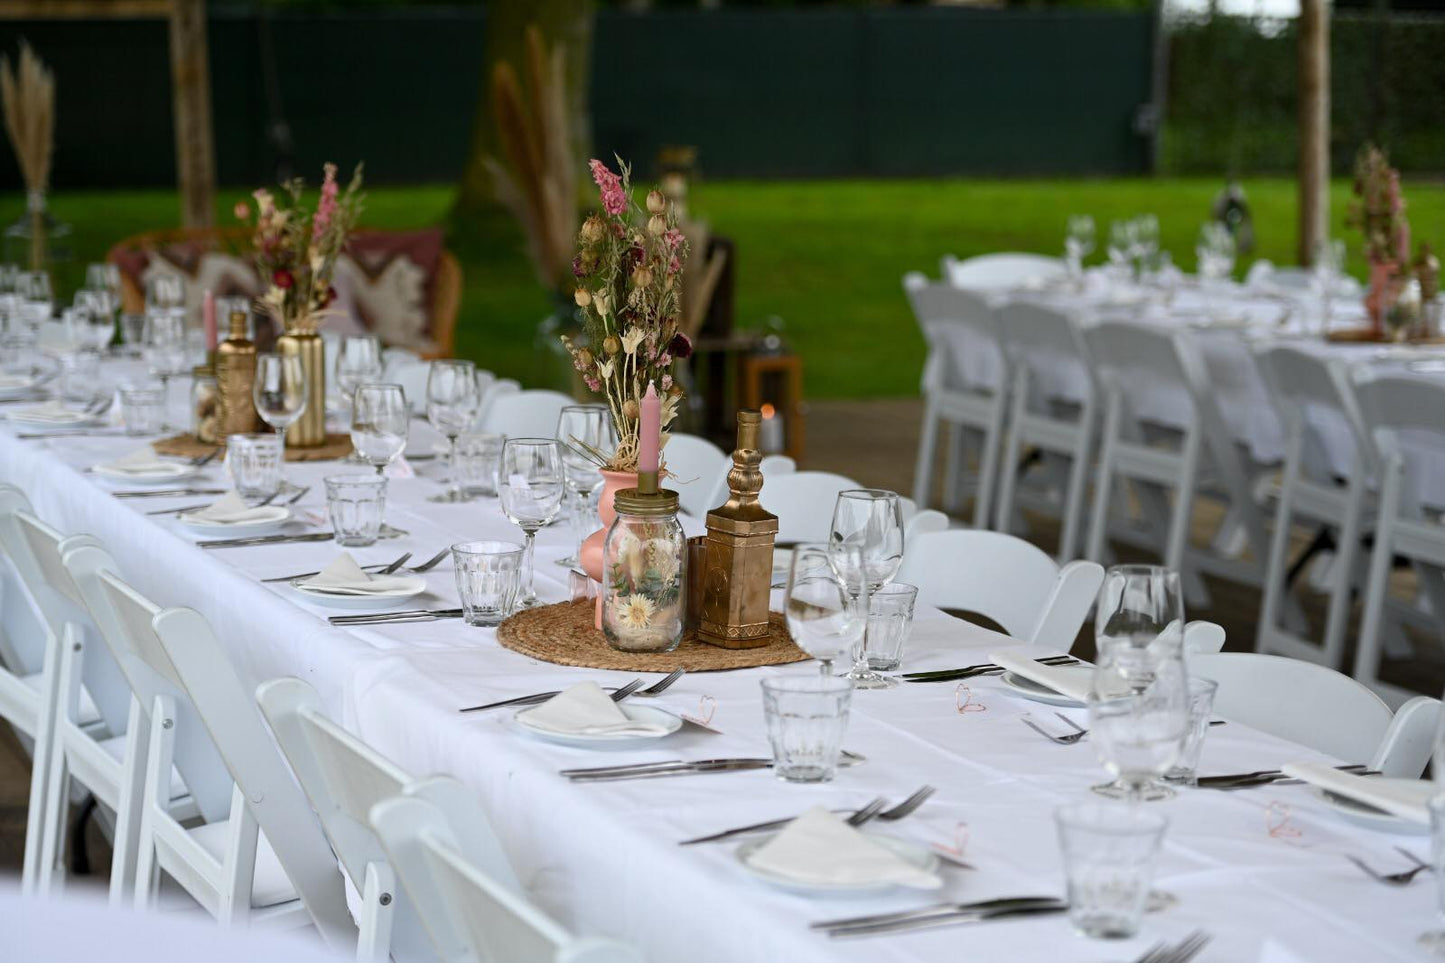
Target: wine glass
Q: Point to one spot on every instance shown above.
(1138, 730)
(529, 483)
(357, 362)
(35, 303)
(870, 520)
(1140, 612)
(103, 280)
(165, 347)
(1121, 248)
(1146, 240)
(166, 295)
(1329, 266)
(380, 417)
(279, 393)
(1433, 942)
(1078, 244)
(452, 400)
(821, 615)
(96, 318)
(579, 426)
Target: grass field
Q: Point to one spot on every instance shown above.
(825, 256)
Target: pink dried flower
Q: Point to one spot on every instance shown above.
(326, 207)
(592, 383)
(674, 238)
(674, 265)
(609, 185)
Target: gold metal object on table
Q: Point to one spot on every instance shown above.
(303, 342)
(740, 535)
(235, 378)
(696, 577)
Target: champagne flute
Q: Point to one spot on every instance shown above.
(578, 426)
(452, 400)
(821, 615)
(1138, 731)
(279, 393)
(529, 484)
(35, 304)
(870, 520)
(380, 417)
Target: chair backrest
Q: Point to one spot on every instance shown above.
(803, 502)
(962, 335)
(772, 465)
(1410, 740)
(1001, 270)
(471, 914)
(525, 414)
(22, 644)
(498, 389)
(1304, 702)
(1203, 638)
(700, 469)
(1121, 347)
(221, 742)
(411, 374)
(1004, 578)
(1306, 384)
(1037, 335)
(1395, 403)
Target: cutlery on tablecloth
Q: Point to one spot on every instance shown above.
(677, 767)
(1262, 777)
(537, 698)
(202, 461)
(954, 918)
(906, 808)
(266, 540)
(979, 906)
(1067, 739)
(982, 668)
(168, 492)
(1402, 878)
(1181, 952)
(386, 618)
(377, 568)
(195, 508)
(70, 433)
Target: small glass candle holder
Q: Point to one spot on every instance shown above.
(478, 456)
(142, 409)
(357, 506)
(254, 462)
(643, 570)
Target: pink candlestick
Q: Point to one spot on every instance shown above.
(208, 315)
(649, 431)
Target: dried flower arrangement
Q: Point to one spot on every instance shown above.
(28, 92)
(1379, 212)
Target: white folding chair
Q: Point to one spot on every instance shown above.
(493, 392)
(1138, 447)
(700, 471)
(1308, 388)
(804, 501)
(963, 386)
(1001, 271)
(259, 846)
(1038, 341)
(344, 778)
(473, 915)
(1005, 579)
(525, 414)
(1323, 709)
(774, 465)
(412, 375)
(1405, 526)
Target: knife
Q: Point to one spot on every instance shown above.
(956, 918)
(413, 615)
(736, 765)
(981, 906)
(168, 492)
(266, 540)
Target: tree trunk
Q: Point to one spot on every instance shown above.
(1314, 127)
(567, 21)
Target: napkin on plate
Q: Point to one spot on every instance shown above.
(344, 577)
(819, 847)
(585, 710)
(11, 382)
(229, 509)
(1069, 680)
(54, 413)
(142, 461)
(1406, 798)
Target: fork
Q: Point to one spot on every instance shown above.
(905, 808)
(981, 668)
(1068, 739)
(662, 685)
(298, 496)
(1402, 878)
(539, 697)
(430, 563)
(1181, 952)
(195, 508)
(380, 569)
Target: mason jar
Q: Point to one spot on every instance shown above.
(205, 405)
(643, 572)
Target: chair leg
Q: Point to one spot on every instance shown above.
(1103, 478)
(128, 814)
(1367, 656)
(378, 905)
(42, 758)
(1009, 476)
(1343, 570)
(927, 445)
(1274, 570)
(955, 463)
(988, 468)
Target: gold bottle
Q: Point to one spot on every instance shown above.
(740, 535)
(235, 377)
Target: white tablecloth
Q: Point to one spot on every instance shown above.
(604, 858)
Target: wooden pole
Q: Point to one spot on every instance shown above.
(191, 93)
(1314, 127)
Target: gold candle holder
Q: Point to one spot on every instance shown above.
(309, 430)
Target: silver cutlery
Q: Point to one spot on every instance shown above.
(168, 492)
(298, 496)
(266, 540)
(1261, 777)
(1181, 952)
(905, 808)
(957, 918)
(380, 568)
(195, 508)
(981, 668)
(430, 563)
(202, 461)
(1067, 739)
(537, 698)
(1402, 878)
(70, 433)
(980, 906)
(677, 767)
(663, 684)
(413, 615)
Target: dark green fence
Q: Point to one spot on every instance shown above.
(832, 92)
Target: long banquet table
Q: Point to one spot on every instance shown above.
(604, 858)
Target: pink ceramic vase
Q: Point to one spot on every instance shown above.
(591, 554)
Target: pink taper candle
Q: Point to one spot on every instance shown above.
(208, 315)
(649, 431)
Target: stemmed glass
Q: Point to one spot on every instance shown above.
(166, 295)
(165, 347)
(357, 362)
(529, 483)
(1329, 266)
(102, 281)
(96, 317)
(821, 615)
(34, 305)
(1146, 241)
(1121, 249)
(279, 393)
(1138, 730)
(380, 418)
(1140, 614)
(452, 400)
(579, 425)
(1078, 244)
(1433, 942)
(870, 520)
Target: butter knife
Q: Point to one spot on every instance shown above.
(980, 906)
(266, 540)
(956, 918)
(724, 765)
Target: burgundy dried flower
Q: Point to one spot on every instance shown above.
(283, 279)
(680, 346)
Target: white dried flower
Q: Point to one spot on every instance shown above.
(632, 338)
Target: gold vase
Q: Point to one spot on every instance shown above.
(309, 430)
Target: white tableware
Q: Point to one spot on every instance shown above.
(648, 715)
(1038, 692)
(52, 416)
(362, 602)
(1371, 817)
(16, 385)
(265, 519)
(145, 468)
(915, 855)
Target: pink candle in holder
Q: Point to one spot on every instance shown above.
(208, 317)
(649, 431)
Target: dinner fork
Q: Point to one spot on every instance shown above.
(375, 569)
(540, 697)
(906, 808)
(663, 684)
(1068, 739)
(195, 508)
(981, 668)
(202, 461)
(430, 563)
(1402, 878)
(1181, 952)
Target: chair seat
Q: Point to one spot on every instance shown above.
(269, 886)
(89, 714)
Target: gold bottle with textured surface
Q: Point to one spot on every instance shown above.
(740, 535)
(235, 377)
(309, 430)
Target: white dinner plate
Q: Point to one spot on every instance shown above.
(1433, 366)
(71, 418)
(271, 518)
(625, 740)
(911, 853)
(17, 386)
(1370, 817)
(1038, 692)
(173, 471)
(371, 601)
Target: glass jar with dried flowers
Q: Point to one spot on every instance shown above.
(1379, 213)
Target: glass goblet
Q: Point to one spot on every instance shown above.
(1138, 731)
(279, 393)
(870, 520)
(822, 617)
(380, 419)
(452, 400)
(581, 431)
(529, 484)
(1140, 612)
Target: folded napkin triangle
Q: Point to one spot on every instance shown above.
(585, 710)
(142, 461)
(53, 412)
(230, 509)
(819, 847)
(1072, 680)
(344, 577)
(1406, 798)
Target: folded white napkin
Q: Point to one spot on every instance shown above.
(819, 847)
(229, 509)
(52, 412)
(1406, 798)
(585, 710)
(344, 577)
(10, 382)
(1069, 680)
(142, 461)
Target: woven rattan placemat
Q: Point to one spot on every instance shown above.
(186, 446)
(1365, 335)
(565, 634)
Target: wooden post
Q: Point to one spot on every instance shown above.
(191, 93)
(1314, 127)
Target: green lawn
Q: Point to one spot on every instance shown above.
(825, 256)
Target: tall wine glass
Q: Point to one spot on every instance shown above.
(97, 315)
(1141, 614)
(166, 294)
(380, 418)
(579, 426)
(164, 336)
(870, 520)
(103, 280)
(1078, 244)
(34, 305)
(529, 483)
(1121, 249)
(821, 615)
(452, 400)
(1146, 240)
(1138, 730)
(358, 361)
(279, 393)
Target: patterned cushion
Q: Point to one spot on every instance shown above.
(384, 285)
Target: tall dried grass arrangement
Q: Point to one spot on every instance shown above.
(28, 95)
(538, 182)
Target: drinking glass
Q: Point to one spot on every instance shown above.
(254, 462)
(380, 418)
(1141, 610)
(452, 400)
(488, 574)
(97, 317)
(33, 306)
(133, 334)
(279, 391)
(581, 429)
(1433, 941)
(80, 376)
(478, 457)
(357, 361)
(822, 618)
(1201, 710)
(1329, 267)
(1109, 856)
(806, 717)
(1138, 728)
(1078, 244)
(357, 506)
(1146, 240)
(1215, 251)
(165, 347)
(872, 520)
(529, 483)
(142, 409)
(890, 620)
(166, 296)
(1121, 249)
